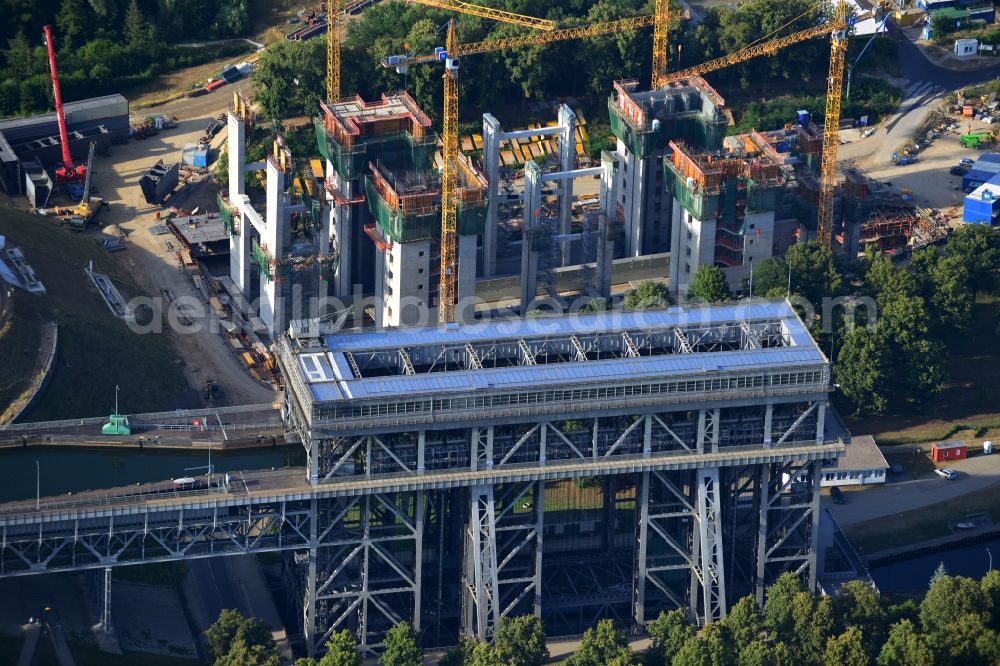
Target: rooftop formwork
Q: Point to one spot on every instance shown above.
(644, 122)
(574, 467)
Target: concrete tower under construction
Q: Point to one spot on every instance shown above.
(644, 122)
(724, 204)
(386, 207)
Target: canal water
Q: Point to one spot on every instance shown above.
(913, 575)
(66, 470)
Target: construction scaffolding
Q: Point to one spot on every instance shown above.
(689, 110)
(715, 185)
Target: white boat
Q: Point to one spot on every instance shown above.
(965, 526)
(184, 481)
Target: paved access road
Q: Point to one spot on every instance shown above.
(974, 474)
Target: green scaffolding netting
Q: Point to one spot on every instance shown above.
(227, 213)
(707, 206)
(471, 218)
(262, 258)
(394, 151)
(691, 127)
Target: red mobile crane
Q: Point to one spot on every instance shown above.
(67, 172)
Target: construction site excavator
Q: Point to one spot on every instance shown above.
(67, 172)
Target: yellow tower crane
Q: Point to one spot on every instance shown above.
(334, 8)
(831, 128)
(449, 172)
(831, 124)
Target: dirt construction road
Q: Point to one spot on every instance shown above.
(203, 353)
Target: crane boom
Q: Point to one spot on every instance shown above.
(831, 129)
(766, 48)
(490, 13)
(499, 44)
(661, 26)
(449, 186)
(334, 10)
(67, 172)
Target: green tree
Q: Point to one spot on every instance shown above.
(520, 641)
(764, 653)
(778, 605)
(952, 295)
(990, 585)
(814, 271)
(306, 661)
(905, 647)
(136, 31)
(857, 605)
(949, 598)
(596, 305)
(74, 23)
(745, 621)
(770, 277)
(241, 654)
(845, 650)
(462, 654)
(694, 652)
(812, 620)
(885, 281)
(978, 246)
(484, 655)
(231, 626)
(668, 633)
(401, 647)
(341, 650)
(647, 295)
(709, 285)
(601, 645)
(720, 643)
(290, 79)
(19, 56)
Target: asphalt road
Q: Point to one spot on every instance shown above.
(895, 497)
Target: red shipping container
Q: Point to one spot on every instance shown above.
(944, 451)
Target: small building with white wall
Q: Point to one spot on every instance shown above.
(862, 465)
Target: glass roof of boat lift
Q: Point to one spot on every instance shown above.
(549, 351)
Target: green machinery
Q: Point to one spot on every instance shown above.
(117, 423)
(976, 139)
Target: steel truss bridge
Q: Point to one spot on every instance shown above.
(597, 483)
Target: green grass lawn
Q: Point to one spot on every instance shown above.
(969, 396)
(96, 350)
(19, 337)
(929, 522)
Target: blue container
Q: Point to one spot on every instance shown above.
(802, 117)
(978, 211)
(975, 178)
(201, 157)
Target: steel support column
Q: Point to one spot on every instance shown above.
(712, 564)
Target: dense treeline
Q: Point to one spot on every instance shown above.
(582, 68)
(105, 46)
(956, 622)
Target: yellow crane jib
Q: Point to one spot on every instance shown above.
(831, 128)
(402, 62)
(766, 48)
(490, 13)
